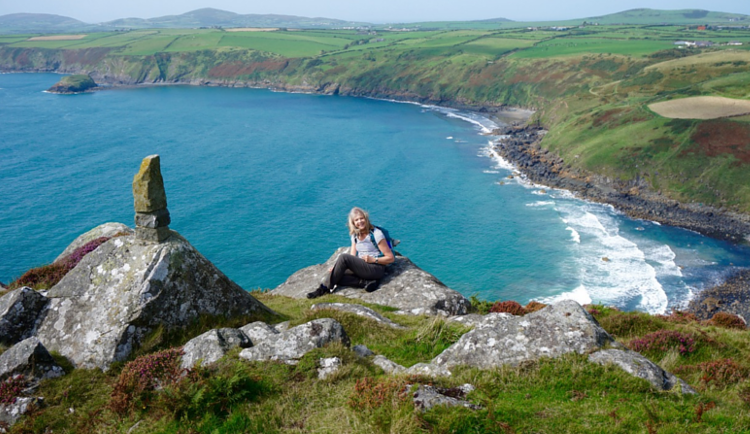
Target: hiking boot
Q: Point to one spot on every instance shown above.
(371, 285)
(322, 290)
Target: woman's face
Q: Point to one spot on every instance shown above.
(360, 222)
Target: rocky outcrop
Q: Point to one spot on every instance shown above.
(521, 146)
(359, 310)
(289, 346)
(212, 346)
(102, 309)
(70, 84)
(405, 287)
(641, 367)
(732, 296)
(30, 359)
(106, 230)
(558, 329)
(10, 413)
(20, 313)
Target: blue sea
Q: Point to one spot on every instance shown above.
(261, 183)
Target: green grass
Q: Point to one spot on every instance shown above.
(577, 46)
(564, 395)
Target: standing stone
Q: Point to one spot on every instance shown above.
(150, 201)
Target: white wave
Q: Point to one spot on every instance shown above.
(613, 269)
(574, 234)
(491, 171)
(579, 294)
(449, 138)
(541, 203)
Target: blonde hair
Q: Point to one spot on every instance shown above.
(352, 214)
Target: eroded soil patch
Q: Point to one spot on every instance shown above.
(701, 107)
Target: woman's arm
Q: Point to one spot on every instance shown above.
(353, 249)
(388, 256)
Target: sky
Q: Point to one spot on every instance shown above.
(373, 11)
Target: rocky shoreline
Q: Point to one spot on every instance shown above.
(521, 146)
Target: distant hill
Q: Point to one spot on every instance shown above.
(39, 23)
(684, 16)
(209, 17)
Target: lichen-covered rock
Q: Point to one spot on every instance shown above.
(258, 331)
(328, 367)
(20, 313)
(638, 366)
(387, 365)
(212, 346)
(558, 329)
(10, 413)
(290, 345)
(428, 370)
(405, 287)
(357, 309)
(104, 230)
(469, 320)
(427, 397)
(148, 186)
(30, 359)
(102, 309)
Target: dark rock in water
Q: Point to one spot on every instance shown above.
(289, 346)
(73, 84)
(103, 308)
(30, 359)
(558, 329)
(641, 367)
(405, 287)
(732, 296)
(108, 230)
(212, 346)
(20, 313)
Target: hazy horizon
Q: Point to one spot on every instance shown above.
(383, 11)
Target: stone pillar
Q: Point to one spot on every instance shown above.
(151, 214)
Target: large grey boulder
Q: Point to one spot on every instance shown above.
(30, 359)
(405, 287)
(558, 329)
(289, 346)
(20, 313)
(108, 230)
(258, 331)
(359, 310)
(212, 346)
(638, 366)
(103, 308)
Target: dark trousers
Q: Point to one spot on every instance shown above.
(349, 270)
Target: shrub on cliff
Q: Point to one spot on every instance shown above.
(727, 320)
(11, 389)
(47, 276)
(509, 306)
(139, 378)
(663, 341)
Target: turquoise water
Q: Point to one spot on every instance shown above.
(261, 182)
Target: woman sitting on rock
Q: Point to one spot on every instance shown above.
(365, 263)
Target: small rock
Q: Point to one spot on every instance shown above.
(290, 345)
(212, 346)
(362, 351)
(258, 331)
(10, 413)
(638, 366)
(428, 370)
(328, 366)
(390, 367)
(30, 359)
(427, 397)
(148, 186)
(20, 312)
(358, 310)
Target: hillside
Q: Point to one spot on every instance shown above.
(38, 23)
(591, 87)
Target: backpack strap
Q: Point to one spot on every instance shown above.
(372, 238)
